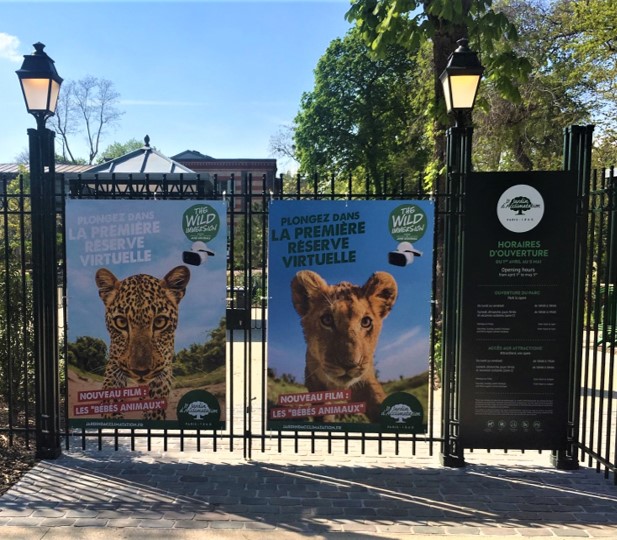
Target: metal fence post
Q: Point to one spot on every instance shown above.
(458, 164)
(45, 291)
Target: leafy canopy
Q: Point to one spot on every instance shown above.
(360, 116)
(412, 22)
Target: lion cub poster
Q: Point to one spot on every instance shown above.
(349, 289)
(146, 313)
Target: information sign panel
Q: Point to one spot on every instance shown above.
(517, 309)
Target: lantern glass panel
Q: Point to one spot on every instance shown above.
(463, 91)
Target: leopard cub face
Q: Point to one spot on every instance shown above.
(141, 315)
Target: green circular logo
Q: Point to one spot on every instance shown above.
(407, 223)
(199, 409)
(402, 412)
(201, 222)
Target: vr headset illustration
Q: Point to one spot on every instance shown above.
(404, 254)
(199, 254)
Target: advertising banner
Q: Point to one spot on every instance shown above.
(517, 309)
(349, 288)
(146, 282)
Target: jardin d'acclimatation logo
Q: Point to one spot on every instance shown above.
(199, 409)
(520, 208)
(403, 412)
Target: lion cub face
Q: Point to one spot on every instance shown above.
(341, 325)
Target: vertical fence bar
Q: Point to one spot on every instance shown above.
(62, 307)
(247, 193)
(7, 307)
(262, 299)
(591, 320)
(608, 364)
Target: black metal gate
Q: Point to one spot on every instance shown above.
(593, 413)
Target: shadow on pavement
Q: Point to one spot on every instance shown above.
(131, 489)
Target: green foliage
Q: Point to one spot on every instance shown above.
(417, 385)
(87, 354)
(410, 23)
(248, 248)
(407, 384)
(60, 159)
(585, 31)
(16, 324)
(605, 149)
(203, 358)
(201, 379)
(116, 149)
(361, 116)
(420, 25)
(285, 384)
(548, 65)
(527, 134)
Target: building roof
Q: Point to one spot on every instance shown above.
(192, 155)
(147, 160)
(144, 160)
(13, 168)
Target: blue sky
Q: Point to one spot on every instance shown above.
(217, 77)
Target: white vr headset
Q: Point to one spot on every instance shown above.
(403, 255)
(199, 254)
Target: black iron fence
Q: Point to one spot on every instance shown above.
(594, 414)
(17, 363)
(598, 375)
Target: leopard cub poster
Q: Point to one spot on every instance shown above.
(349, 289)
(146, 284)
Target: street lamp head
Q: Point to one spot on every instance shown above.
(461, 78)
(40, 84)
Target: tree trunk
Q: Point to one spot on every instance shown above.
(444, 43)
(521, 155)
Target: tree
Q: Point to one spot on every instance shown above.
(527, 134)
(571, 48)
(248, 248)
(605, 149)
(360, 115)
(282, 143)
(86, 106)
(117, 149)
(23, 158)
(587, 30)
(88, 353)
(412, 23)
(203, 358)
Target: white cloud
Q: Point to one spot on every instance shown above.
(9, 48)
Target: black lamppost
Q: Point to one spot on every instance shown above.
(40, 84)
(460, 80)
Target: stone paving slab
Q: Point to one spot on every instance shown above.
(156, 494)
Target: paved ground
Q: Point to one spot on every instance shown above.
(189, 495)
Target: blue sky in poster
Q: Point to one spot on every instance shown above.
(204, 303)
(404, 343)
